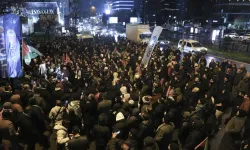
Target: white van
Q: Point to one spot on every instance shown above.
(191, 46)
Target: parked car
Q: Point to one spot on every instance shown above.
(246, 40)
(231, 35)
(246, 36)
(192, 46)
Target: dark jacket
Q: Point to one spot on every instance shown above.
(164, 135)
(101, 135)
(57, 95)
(122, 126)
(78, 143)
(104, 106)
(8, 133)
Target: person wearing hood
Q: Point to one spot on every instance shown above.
(150, 143)
(101, 133)
(121, 125)
(164, 133)
(115, 78)
(146, 103)
(62, 134)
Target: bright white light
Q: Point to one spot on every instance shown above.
(215, 21)
(61, 22)
(116, 38)
(133, 19)
(214, 35)
(123, 23)
(196, 30)
(192, 30)
(107, 12)
(175, 28)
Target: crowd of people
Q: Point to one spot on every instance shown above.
(96, 95)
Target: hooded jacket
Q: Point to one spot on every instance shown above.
(62, 135)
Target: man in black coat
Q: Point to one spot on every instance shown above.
(101, 133)
(78, 142)
(57, 94)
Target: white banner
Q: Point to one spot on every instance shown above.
(151, 45)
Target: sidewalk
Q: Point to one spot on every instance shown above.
(238, 56)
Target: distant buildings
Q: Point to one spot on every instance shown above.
(226, 11)
(118, 5)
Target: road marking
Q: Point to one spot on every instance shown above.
(228, 59)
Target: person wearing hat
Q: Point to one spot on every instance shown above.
(78, 142)
(121, 126)
(164, 132)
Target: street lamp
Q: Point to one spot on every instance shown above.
(92, 9)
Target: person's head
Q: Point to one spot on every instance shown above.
(126, 145)
(32, 101)
(26, 87)
(65, 123)
(149, 142)
(75, 130)
(58, 103)
(8, 88)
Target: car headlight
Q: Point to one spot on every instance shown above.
(162, 42)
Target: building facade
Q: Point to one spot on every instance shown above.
(121, 5)
(226, 11)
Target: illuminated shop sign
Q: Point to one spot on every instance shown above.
(45, 11)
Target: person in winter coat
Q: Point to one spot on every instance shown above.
(149, 143)
(57, 94)
(121, 126)
(8, 133)
(55, 110)
(195, 136)
(245, 104)
(236, 124)
(78, 142)
(101, 133)
(164, 133)
(62, 134)
(105, 105)
(115, 78)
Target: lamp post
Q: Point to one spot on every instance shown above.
(92, 9)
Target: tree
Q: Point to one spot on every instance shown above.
(239, 22)
(48, 22)
(11, 6)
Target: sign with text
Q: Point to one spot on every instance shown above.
(12, 31)
(151, 45)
